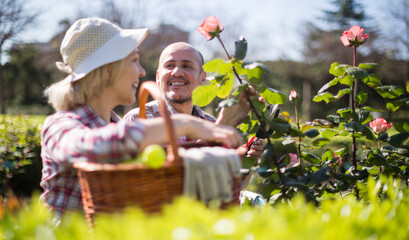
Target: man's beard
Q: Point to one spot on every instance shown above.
(178, 101)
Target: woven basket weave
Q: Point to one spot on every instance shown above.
(111, 187)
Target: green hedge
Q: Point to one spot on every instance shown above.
(20, 160)
(382, 214)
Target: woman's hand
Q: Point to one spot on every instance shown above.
(209, 131)
(192, 127)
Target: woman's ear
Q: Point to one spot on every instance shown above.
(157, 77)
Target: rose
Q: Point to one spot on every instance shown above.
(380, 125)
(210, 27)
(293, 160)
(293, 97)
(354, 36)
(338, 161)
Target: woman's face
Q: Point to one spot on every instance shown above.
(125, 87)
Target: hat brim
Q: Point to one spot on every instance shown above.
(120, 46)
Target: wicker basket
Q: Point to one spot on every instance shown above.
(111, 187)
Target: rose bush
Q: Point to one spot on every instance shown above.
(337, 170)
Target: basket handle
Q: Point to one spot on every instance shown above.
(150, 87)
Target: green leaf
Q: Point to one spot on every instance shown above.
(218, 65)
(372, 109)
(329, 133)
(204, 94)
(347, 80)
(398, 139)
(407, 87)
(340, 152)
(253, 65)
(372, 80)
(336, 119)
(225, 86)
(320, 142)
(325, 96)
(320, 175)
(254, 75)
(327, 155)
(401, 127)
(240, 50)
(312, 133)
(255, 71)
(345, 112)
(279, 126)
(273, 96)
(310, 157)
(356, 73)
(361, 98)
(239, 89)
(390, 92)
(342, 92)
(337, 70)
(353, 126)
(328, 85)
(227, 103)
(212, 66)
(267, 156)
(368, 65)
(396, 104)
(367, 132)
(288, 141)
(376, 159)
(362, 115)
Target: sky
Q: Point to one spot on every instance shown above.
(273, 28)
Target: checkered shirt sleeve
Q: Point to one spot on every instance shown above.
(81, 135)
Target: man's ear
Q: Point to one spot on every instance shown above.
(202, 78)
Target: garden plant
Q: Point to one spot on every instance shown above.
(335, 171)
(316, 189)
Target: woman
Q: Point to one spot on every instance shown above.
(102, 62)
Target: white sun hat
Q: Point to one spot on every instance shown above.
(93, 42)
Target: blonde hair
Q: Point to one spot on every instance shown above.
(65, 96)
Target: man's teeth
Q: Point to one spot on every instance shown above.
(177, 84)
(135, 85)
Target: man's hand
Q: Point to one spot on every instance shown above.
(256, 149)
(233, 115)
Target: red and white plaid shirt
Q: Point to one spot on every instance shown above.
(81, 135)
(152, 111)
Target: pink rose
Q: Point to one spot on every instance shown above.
(293, 160)
(354, 36)
(293, 96)
(210, 27)
(380, 125)
(339, 161)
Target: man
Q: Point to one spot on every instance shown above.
(179, 72)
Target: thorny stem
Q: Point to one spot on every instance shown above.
(297, 121)
(262, 125)
(354, 149)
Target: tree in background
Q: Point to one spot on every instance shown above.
(14, 18)
(25, 77)
(346, 14)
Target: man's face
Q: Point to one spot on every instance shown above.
(179, 73)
